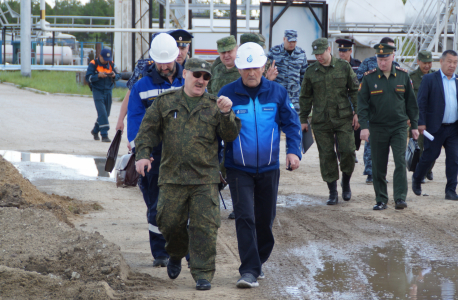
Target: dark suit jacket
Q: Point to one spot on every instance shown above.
(431, 101)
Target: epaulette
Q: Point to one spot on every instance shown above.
(401, 69)
(169, 91)
(212, 97)
(370, 71)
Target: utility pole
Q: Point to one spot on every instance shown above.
(234, 18)
(26, 38)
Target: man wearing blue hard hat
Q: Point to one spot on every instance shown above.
(101, 75)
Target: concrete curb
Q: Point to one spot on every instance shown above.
(47, 93)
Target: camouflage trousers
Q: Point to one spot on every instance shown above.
(201, 204)
(324, 137)
(367, 158)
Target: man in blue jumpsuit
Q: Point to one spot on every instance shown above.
(165, 74)
(252, 160)
(101, 75)
(368, 64)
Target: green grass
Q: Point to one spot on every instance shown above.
(53, 82)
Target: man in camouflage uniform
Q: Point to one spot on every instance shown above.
(291, 63)
(368, 64)
(188, 121)
(327, 85)
(387, 99)
(425, 62)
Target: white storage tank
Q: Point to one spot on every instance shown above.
(62, 55)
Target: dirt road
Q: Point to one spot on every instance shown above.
(346, 251)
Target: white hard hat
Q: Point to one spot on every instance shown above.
(163, 49)
(250, 55)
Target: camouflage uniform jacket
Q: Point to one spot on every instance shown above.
(291, 70)
(138, 72)
(416, 77)
(328, 90)
(368, 64)
(220, 77)
(189, 138)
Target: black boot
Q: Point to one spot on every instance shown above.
(345, 184)
(333, 195)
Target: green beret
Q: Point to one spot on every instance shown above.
(425, 56)
(319, 46)
(197, 65)
(226, 44)
(384, 50)
(254, 38)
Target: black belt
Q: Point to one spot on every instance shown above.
(447, 124)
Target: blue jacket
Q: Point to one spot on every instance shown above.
(431, 101)
(142, 96)
(92, 76)
(257, 148)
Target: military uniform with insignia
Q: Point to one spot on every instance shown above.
(327, 89)
(384, 106)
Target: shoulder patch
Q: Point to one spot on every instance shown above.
(401, 69)
(370, 71)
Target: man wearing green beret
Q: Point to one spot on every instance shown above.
(386, 98)
(330, 86)
(187, 121)
(424, 62)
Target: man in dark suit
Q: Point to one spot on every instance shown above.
(438, 104)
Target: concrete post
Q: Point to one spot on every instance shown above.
(26, 38)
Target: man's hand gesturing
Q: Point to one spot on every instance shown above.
(224, 104)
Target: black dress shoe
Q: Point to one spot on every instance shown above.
(400, 204)
(416, 187)
(231, 215)
(95, 135)
(379, 206)
(451, 195)
(173, 268)
(345, 184)
(203, 285)
(333, 195)
(430, 176)
(160, 262)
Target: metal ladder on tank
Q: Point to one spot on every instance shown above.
(426, 31)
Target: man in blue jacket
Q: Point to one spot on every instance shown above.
(165, 74)
(101, 75)
(252, 160)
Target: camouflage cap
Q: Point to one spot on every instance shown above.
(384, 50)
(291, 35)
(425, 56)
(226, 44)
(319, 46)
(197, 65)
(254, 38)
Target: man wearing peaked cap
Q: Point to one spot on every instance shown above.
(252, 160)
(291, 63)
(188, 122)
(345, 51)
(327, 85)
(386, 97)
(424, 62)
(183, 39)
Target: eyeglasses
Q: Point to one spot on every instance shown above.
(199, 74)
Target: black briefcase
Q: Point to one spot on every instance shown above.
(112, 153)
(412, 155)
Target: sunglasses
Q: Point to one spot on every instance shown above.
(199, 74)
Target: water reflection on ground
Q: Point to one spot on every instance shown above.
(392, 271)
(45, 166)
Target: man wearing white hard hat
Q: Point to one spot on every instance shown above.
(253, 159)
(164, 75)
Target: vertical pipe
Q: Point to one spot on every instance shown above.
(271, 21)
(150, 20)
(211, 15)
(167, 14)
(446, 16)
(247, 14)
(42, 58)
(438, 25)
(161, 16)
(4, 44)
(26, 38)
(82, 53)
(186, 15)
(53, 38)
(42, 13)
(234, 18)
(133, 35)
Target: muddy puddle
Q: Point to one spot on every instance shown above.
(44, 166)
(394, 270)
